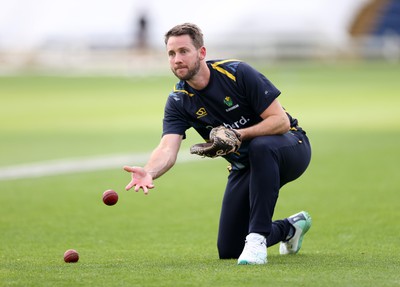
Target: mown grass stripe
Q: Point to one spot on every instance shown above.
(74, 165)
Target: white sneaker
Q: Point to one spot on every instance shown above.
(301, 222)
(255, 250)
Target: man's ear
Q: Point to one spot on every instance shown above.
(203, 53)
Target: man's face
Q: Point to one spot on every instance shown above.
(184, 58)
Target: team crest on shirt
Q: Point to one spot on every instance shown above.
(201, 113)
(228, 102)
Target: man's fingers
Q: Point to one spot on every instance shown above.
(138, 179)
(128, 168)
(135, 169)
(145, 189)
(129, 186)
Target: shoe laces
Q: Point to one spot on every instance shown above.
(252, 246)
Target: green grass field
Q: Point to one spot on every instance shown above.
(168, 238)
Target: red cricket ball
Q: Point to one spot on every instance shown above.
(71, 256)
(110, 197)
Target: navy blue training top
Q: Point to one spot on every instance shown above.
(235, 97)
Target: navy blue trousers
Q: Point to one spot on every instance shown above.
(251, 194)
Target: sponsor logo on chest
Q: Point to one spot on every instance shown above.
(237, 124)
(201, 113)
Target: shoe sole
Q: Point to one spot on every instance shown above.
(305, 228)
(243, 262)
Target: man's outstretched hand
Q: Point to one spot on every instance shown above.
(141, 179)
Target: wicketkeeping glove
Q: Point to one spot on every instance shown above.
(222, 142)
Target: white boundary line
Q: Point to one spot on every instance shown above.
(75, 165)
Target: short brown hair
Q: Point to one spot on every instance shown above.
(187, 29)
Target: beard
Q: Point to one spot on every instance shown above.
(190, 73)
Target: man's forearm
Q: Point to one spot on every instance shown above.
(160, 162)
(269, 126)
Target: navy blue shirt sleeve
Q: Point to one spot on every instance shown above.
(257, 88)
(175, 122)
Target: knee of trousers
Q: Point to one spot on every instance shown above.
(230, 251)
(261, 146)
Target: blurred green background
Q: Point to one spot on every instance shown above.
(349, 110)
(82, 90)
(46, 117)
